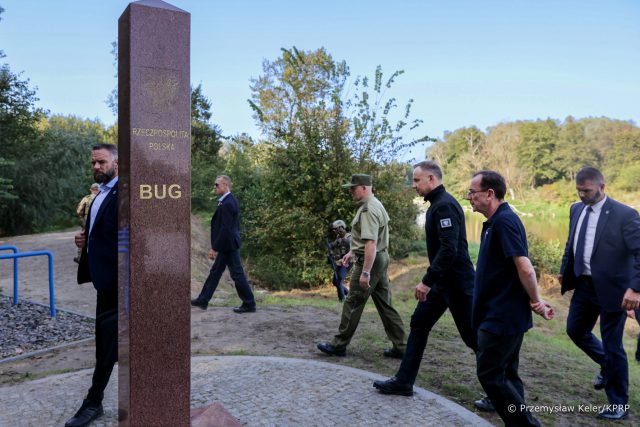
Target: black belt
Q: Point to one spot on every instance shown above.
(359, 258)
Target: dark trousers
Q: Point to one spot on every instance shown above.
(609, 354)
(638, 346)
(106, 343)
(497, 359)
(223, 260)
(425, 316)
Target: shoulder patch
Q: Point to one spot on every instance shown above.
(445, 223)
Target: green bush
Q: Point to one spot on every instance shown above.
(546, 257)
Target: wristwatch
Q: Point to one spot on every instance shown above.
(365, 274)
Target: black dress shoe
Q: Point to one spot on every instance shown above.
(484, 404)
(88, 412)
(393, 386)
(393, 353)
(244, 309)
(329, 348)
(599, 382)
(613, 414)
(199, 303)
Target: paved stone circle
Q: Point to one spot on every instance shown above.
(258, 391)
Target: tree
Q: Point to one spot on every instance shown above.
(19, 117)
(535, 153)
(502, 142)
(206, 140)
(315, 139)
(573, 151)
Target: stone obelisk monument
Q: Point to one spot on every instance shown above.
(154, 138)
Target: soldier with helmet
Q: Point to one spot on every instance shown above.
(338, 248)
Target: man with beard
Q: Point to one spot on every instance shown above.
(99, 264)
(601, 263)
(447, 283)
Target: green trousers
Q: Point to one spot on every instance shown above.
(357, 298)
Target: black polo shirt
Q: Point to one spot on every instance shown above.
(500, 303)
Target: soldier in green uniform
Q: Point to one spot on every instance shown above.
(82, 210)
(370, 240)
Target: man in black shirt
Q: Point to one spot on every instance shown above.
(505, 292)
(448, 282)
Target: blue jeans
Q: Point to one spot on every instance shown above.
(223, 260)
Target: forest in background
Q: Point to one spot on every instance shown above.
(540, 158)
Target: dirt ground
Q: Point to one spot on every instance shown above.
(290, 324)
(287, 331)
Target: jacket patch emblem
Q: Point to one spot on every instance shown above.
(445, 223)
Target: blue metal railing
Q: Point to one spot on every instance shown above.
(15, 271)
(17, 254)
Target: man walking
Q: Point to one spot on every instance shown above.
(601, 263)
(99, 264)
(505, 292)
(370, 240)
(225, 250)
(337, 250)
(448, 282)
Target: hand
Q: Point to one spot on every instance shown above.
(364, 282)
(631, 299)
(560, 278)
(631, 314)
(542, 308)
(421, 291)
(346, 258)
(212, 254)
(80, 239)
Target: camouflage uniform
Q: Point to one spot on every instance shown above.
(82, 210)
(371, 222)
(338, 249)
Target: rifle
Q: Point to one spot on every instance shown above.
(336, 277)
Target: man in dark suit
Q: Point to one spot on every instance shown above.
(225, 250)
(601, 263)
(99, 264)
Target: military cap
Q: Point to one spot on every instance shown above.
(359, 179)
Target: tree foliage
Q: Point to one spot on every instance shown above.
(542, 154)
(315, 138)
(206, 140)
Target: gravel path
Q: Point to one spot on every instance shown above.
(27, 327)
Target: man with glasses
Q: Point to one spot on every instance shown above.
(505, 292)
(370, 240)
(225, 250)
(601, 263)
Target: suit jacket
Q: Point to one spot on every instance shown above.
(615, 260)
(225, 225)
(100, 264)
